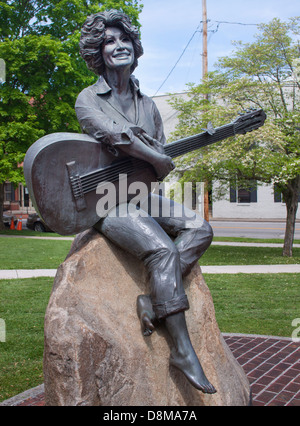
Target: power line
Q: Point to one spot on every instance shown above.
(233, 23)
(177, 61)
(213, 31)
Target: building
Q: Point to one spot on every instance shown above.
(260, 202)
(16, 200)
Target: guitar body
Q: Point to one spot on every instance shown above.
(51, 161)
(63, 172)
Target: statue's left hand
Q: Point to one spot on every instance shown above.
(151, 142)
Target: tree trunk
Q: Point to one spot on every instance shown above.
(291, 200)
(1, 205)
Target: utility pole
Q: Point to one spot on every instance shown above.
(204, 30)
(204, 74)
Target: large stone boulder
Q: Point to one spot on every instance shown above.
(95, 352)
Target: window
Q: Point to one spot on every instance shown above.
(241, 195)
(278, 196)
(9, 192)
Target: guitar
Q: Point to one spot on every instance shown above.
(63, 170)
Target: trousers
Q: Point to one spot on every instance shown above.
(168, 237)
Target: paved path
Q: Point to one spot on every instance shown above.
(220, 269)
(271, 364)
(214, 243)
(241, 244)
(12, 274)
(251, 269)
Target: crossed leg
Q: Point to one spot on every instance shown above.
(145, 237)
(192, 236)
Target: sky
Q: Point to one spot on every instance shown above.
(171, 33)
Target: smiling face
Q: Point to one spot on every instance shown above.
(117, 49)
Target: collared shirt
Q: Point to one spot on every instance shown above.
(102, 118)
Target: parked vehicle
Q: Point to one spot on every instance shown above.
(7, 219)
(36, 223)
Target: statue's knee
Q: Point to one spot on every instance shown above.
(205, 234)
(209, 231)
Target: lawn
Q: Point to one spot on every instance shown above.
(23, 253)
(28, 233)
(254, 304)
(232, 255)
(23, 305)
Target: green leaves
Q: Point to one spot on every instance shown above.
(260, 75)
(44, 71)
(263, 74)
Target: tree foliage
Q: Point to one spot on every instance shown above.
(262, 74)
(44, 72)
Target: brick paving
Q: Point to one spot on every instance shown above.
(272, 365)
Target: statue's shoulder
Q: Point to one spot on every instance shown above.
(147, 99)
(87, 94)
(136, 86)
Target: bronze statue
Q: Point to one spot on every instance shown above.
(124, 144)
(116, 113)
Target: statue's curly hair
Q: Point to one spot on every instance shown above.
(93, 34)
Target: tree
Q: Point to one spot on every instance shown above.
(44, 73)
(262, 74)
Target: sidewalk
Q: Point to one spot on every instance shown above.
(12, 274)
(270, 363)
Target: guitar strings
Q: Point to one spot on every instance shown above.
(90, 181)
(128, 167)
(194, 143)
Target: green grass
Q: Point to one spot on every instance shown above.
(23, 253)
(29, 233)
(253, 240)
(23, 304)
(19, 253)
(232, 255)
(255, 304)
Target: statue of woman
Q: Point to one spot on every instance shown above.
(169, 245)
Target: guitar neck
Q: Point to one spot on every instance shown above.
(111, 173)
(245, 123)
(191, 143)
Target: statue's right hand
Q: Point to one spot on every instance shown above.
(163, 165)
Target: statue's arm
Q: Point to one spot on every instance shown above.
(99, 125)
(94, 122)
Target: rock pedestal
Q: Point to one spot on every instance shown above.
(95, 352)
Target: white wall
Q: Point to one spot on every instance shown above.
(265, 208)
(168, 114)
